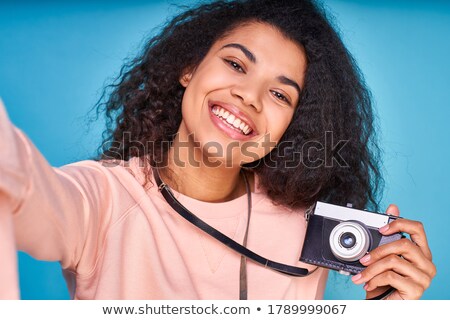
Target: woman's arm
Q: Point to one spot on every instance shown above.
(57, 213)
(9, 288)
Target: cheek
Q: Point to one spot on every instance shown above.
(210, 76)
(278, 122)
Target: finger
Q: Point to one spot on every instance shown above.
(396, 264)
(393, 210)
(406, 249)
(415, 229)
(406, 288)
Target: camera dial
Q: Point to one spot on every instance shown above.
(349, 241)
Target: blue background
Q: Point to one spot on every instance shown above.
(55, 57)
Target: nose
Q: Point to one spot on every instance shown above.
(249, 95)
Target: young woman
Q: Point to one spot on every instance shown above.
(248, 112)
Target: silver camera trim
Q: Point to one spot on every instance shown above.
(362, 241)
(335, 212)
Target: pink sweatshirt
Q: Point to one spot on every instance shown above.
(117, 240)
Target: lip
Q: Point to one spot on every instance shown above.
(237, 113)
(225, 128)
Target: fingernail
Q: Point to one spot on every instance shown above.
(365, 286)
(356, 277)
(384, 228)
(365, 259)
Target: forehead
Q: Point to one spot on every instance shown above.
(267, 43)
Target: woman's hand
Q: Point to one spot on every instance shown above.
(403, 264)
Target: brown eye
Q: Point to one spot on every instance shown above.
(281, 96)
(233, 64)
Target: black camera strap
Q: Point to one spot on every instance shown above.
(192, 218)
(243, 251)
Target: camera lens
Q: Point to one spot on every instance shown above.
(349, 241)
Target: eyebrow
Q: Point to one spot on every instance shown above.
(250, 56)
(290, 82)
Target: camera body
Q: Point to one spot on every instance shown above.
(337, 236)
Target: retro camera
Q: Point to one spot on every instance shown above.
(337, 236)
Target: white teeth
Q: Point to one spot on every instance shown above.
(231, 119)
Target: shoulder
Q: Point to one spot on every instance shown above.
(119, 170)
(121, 181)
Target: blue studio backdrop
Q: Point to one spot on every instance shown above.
(55, 58)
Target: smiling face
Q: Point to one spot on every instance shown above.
(241, 98)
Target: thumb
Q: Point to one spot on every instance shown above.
(393, 210)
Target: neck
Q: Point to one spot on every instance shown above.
(188, 173)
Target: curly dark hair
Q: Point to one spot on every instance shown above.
(144, 102)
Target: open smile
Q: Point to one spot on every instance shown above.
(231, 120)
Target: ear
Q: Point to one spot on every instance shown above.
(186, 77)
